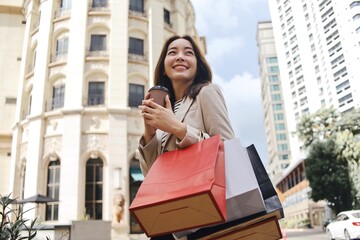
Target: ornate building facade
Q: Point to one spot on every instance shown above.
(85, 67)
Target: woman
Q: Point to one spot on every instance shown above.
(195, 108)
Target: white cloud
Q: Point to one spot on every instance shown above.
(220, 48)
(229, 27)
(216, 14)
(243, 98)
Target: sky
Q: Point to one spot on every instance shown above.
(229, 27)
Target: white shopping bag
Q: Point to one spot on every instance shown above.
(243, 194)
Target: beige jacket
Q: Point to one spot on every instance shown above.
(204, 116)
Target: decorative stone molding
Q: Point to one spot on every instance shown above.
(52, 147)
(94, 143)
(132, 144)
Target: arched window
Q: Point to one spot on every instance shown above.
(58, 96)
(53, 189)
(136, 178)
(94, 188)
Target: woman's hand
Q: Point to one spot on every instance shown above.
(149, 130)
(163, 118)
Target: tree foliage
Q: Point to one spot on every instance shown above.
(328, 176)
(333, 142)
(328, 124)
(12, 224)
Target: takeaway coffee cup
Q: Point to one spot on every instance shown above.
(158, 93)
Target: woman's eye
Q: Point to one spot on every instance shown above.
(189, 53)
(171, 52)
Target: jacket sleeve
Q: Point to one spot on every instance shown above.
(214, 116)
(148, 153)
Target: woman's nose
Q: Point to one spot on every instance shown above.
(180, 57)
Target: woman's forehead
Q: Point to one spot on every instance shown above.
(181, 42)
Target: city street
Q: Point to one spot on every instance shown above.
(305, 234)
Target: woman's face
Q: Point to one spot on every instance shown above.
(180, 61)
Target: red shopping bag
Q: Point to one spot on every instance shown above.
(184, 189)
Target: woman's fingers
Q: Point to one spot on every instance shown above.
(167, 102)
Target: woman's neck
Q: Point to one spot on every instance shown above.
(180, 90)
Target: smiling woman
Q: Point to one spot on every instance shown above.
(195, 107)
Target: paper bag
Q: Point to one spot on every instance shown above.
(184, 189)
(243, 195)
(274, 210)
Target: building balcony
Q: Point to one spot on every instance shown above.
(94, 100)
(59, 57)
(135, 13)
(97, 54)
(138, 57)
(55, 103)
(99, 6)
(62, 13)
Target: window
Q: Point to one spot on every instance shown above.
(136, 46)
(275, 97)
(137, 5)
(273, 78)
(296, 58)
(345, 99)
(96, 93)
(284, 157)
(357, 16)
(342, 87)
(279, 116)
(136, 94)
(303, 101)
(99, 3)
(65, 4)
(58, 96)
(167, 16)
(274, 69)
(62, 46)
(300, 79)
(10, 100)
(53, 189)
(271, 60)
(94, 188)
(136, 178)
(279, 126)
(98, 42)
(277, 106)
(275, 87)
(282, 147)
(354, 4)
(342, 72)
(281, 136)
(302, 90)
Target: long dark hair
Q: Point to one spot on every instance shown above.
(203, 72)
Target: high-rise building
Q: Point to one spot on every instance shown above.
(82, 72)
(318, 49)
(273, 103)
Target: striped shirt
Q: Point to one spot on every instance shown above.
(176, 108)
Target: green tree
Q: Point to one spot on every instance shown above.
(342, 132)
(328, 176)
